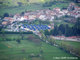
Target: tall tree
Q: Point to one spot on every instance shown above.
(62, 29)
(67, 30)
(55, 30)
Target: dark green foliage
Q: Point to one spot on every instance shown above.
(1, 2)
(49, 4)
(62, 28)
(19, 3)
(66, 30)
(18, 41)
(22, 13)
(76, 1)
(46, 32)
(55, 31)
(1, 28)
(76, 28)
(6, 15)
(29, 32)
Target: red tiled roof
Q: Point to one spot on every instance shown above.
(74, 37)
(8, 18)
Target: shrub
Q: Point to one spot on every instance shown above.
(6, 15)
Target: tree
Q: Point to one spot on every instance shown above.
(21, 33)
(76, 1)
(76, 27)
(55, 30)
(68, 30)
(51, 41)
(6, 15)
(3, 34)
(1, 28)
(46, 32)
(19, 3)
(62, 29)
(18, 41)
(22, 13)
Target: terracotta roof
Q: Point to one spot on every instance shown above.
(74, 37)
(5, 23)
(7, 18)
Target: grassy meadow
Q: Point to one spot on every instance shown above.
(28, 49)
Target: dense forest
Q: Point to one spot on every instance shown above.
(65, 29)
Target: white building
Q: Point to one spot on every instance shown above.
(42, 17)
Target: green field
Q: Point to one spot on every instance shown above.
(11, 50)
(15, 50)
(72, 43)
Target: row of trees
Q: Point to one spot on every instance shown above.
(65, 29)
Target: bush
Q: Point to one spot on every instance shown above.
(18, 41)
(6, 15)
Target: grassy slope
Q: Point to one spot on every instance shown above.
(9, 9)
(25, 7)
(19, 9)
(24, 1)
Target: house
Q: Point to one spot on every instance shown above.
(52, 18)
(4, 23)
(59, 15)
(7, 18)
(32, 17)
(42, 17)
(65, 11)
(26, 17)
(74, 14)
(71, 7)
(22, 19)
(76, 8)
(10, 19)
(56, 9)
(16, 16)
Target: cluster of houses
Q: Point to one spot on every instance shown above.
(74, 10)
(45, 14)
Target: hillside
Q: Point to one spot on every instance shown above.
(18, 6)
(16, 2)
(22, 1)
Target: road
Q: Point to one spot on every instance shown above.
(66, 39)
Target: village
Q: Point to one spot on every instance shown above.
(13, 24)
(46, 30)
